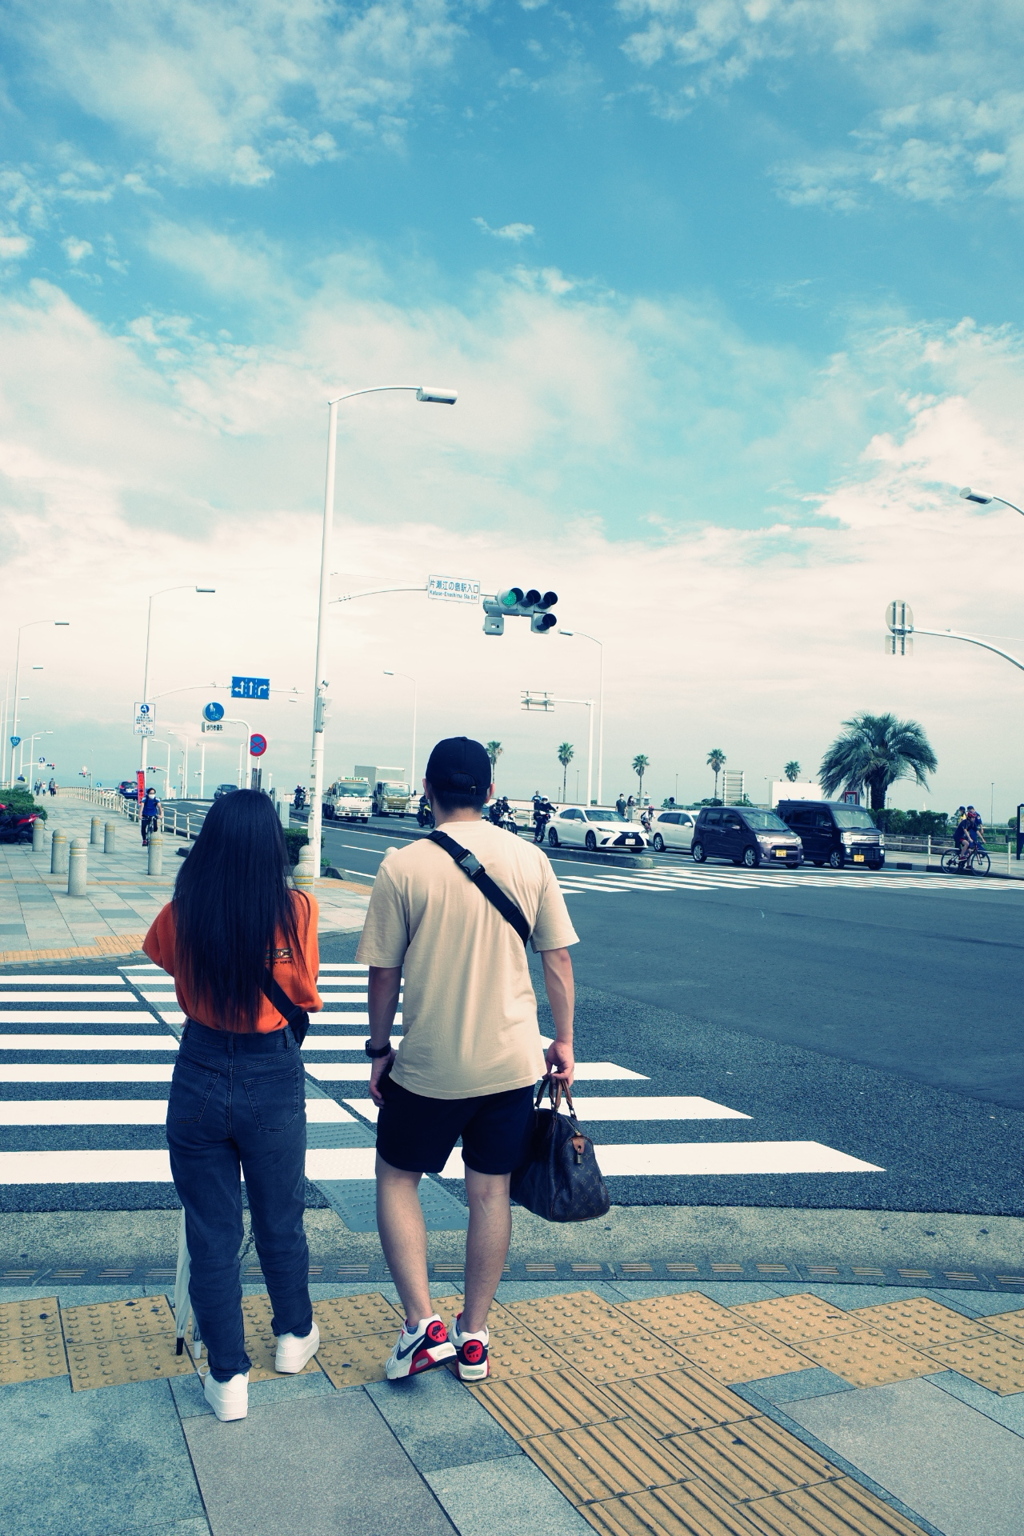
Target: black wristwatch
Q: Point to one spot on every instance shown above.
(385, 1050)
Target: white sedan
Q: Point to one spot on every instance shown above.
(587, 826)
(673, 829)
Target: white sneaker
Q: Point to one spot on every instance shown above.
(471, 1349)
(228, 1399)
(421, 1350)
(295, 1350)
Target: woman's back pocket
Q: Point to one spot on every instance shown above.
(191, 1087)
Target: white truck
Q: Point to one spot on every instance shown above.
(391, 793)
(349, 800)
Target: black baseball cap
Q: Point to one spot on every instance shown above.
(459, 766)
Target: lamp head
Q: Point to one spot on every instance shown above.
(388, 672)
(569, 632)
(206, 589)
(434, 395)
(62, 623)
(968, 495)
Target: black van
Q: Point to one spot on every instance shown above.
(746, 836)
(833, 833)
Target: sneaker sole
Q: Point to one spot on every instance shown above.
(474, 1372)
(435, 1357)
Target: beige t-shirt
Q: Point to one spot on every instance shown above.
(469, 1017)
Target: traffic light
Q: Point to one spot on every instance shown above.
(514, 602)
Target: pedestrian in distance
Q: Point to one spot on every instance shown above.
(242, 948)
(151, 809)
(53, 786)
(470, 1052)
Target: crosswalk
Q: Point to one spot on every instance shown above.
(92, 1071)
(689, 878)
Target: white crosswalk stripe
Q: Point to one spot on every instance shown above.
(58, 1005)
(691, 878)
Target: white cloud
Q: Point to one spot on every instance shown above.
(517, 233)
(76, 250)
(13, 247)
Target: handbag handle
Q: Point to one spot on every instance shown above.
(556, 1091)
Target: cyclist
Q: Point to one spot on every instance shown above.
(962, 835)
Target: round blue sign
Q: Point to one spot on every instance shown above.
(257, 744)
(15, 741)
(213, 712)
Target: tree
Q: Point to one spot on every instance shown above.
(494, 749)
(716, 762)
(792, 771)
(875, 751)
(565, 756)
(640, 767)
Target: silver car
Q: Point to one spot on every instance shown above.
(673, 830)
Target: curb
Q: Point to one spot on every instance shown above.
(621, 860)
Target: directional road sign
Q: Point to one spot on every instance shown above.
(250, 687)
(257, 744)
(15, 741)
(213, 711)
(453, 589)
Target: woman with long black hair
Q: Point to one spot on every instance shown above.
(241, 947)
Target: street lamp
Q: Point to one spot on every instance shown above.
(183, 587)
(58, 624)
(983, 501)
(415, 692)
(32, 746)
(572, 633)
(429, 397)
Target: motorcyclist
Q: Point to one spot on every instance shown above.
(543, 811)
(299, 798)
(424, 815)
(499, 810)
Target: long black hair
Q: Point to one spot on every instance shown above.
(232, 907)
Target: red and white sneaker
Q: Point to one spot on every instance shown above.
(419, 1349)
(471, 1349)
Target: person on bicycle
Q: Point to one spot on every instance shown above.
(961, 835)
(975, 826)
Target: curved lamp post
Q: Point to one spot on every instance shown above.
(415, 692)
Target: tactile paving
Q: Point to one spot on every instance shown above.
(113, 1362)
(1010, 1323)
(616, 1354)
(742, 1354)
(604, 1460)
(995, 1361)
(749, 1460)
(577, 1312)
(794, 1318)
(352, 1362)
(522, 1354)
(690, 1312)
(345, 1317)
(33, 1358)
(868, 1358)
(540, 1405)
(681, 1509)
(261, 1349)
(920, 1322)
(25, 1319)
(841, 1508)
(118, 1321)
(677, 1401)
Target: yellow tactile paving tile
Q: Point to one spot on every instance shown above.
(868, 1358)
(920, 1322)
(539, 1405)
(677, 1401)
(25, 1319)
(108, 1321)
(604, 1460)
(616, 1354)
(34, 1358)
(353, 1362)
(522, 1354)
(841, 1508)
(995, 1361)
(261, 1349)
(113, 1362)
(344, 1317)
(742, 1354)
(681, 1509)
(749, 1460)
(1010, 1323)
(576, 1312)
(688, 1312)
(794, 1318)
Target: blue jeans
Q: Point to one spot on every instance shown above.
(238, 1106)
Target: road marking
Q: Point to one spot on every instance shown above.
(126, 1112)
(728, 1157)
(63, 981)
(64, 997)
(632, 1108)
(161, 1042)
(153, 1166)
(591, 1071)
(85, 1072)
(696, 879)
(127, 1016)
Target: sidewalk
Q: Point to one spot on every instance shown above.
(40, 921)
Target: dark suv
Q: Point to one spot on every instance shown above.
(833, 833)
(746, 836)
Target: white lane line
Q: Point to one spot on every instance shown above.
(590, 1071)
(171, 1016)
(86, 1072)
(335, 1072)
(729, 1157)
(682, 1108)
(154, 1166)
(65, 997)
(127, 1016)
(126, 1112)
(347, 966)
(61, 981)
(88, 1043)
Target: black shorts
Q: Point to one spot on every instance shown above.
(418, 1134)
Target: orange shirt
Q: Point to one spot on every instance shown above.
(295, 974)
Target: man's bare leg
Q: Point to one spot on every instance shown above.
(403, 1236)
(490, 1231)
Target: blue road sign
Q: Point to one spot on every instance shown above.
(257, 744)
(250, 687)
(15, 741)
(213, 711)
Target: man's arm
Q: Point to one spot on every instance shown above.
(562, 997)
(384, 983)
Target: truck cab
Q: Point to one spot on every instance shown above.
(391, 798)
(348, 800)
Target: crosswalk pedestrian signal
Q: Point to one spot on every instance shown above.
(514, 602)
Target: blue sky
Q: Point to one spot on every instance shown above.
(698, 269)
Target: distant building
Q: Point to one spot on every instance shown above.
(732, 785)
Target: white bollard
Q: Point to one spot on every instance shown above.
(110, 837)
(96, 831)
(78, 868)
(156, 854)
(38, 835)
(59, 854)
(304, 874)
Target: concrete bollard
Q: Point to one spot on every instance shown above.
(78, 866)
(59, 854)
(304, 874)
(110, 837)
(96, 833)
(38, 835)
(156, 854)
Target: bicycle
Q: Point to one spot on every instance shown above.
(977, 862)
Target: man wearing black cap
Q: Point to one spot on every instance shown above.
(471, 1050)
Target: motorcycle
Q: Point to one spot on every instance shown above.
(299, 800)
(15, 828)
(500, 815)
(542, 814)
(424, 815)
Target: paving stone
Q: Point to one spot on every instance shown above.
(994, 1360)
(617, 1354)
(688, 1312)
(793, 1318)
(481, 1499)
(953, 1466)
(522, 1353)
(25, 1319)
(114, 1362)
(350, 1316)
(1008, 1411)
(741, 1354)
(138, 1318)
(682, 1509)
(790, 1388)
(1010, 1323)
(841, 1508)
(352, 1362)
(34, 1358)
(439, 1423)
(605, 1460)
(867, 1358)
(920, 1322)
(337, 1471)
(750, 1459)
(191, 1400)
(538, 1405)
(574, 1312)
(673, 1402)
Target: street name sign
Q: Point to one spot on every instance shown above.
(257, 744)
(453, 589)
(250, 687)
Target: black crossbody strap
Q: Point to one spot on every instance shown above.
(482, 880)
(297, 1017)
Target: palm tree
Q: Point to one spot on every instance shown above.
(792, 771)
(716, 762)
(640, 767)
(876, 750)
(565, 756)
(494, 749)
